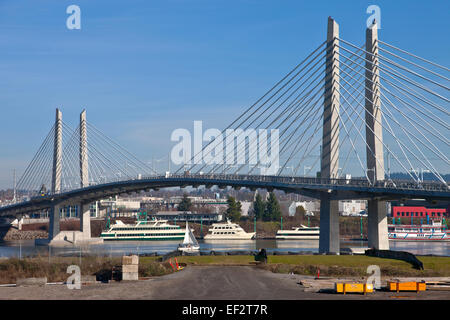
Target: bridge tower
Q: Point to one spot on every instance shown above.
(329, 209)
(377, 218)
(85, 213)
(55, 235)
(56, 175)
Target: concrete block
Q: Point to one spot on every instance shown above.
(126, 268)
(128, 276)
(126, 260)
(24, 282)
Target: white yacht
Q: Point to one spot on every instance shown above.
(143, 230)
(228, 231)
(299, 233)
(189, 244)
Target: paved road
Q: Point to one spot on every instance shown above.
(203, 283)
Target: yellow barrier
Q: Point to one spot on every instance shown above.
(407, 286)
(353, 287)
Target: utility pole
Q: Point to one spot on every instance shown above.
(153, 164)
(388, 163)
(14, 189)
(168, 161)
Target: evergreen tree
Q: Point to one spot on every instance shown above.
(300, 211)
(259, 206)
(234, 209)
(185, 204)
(273, 211)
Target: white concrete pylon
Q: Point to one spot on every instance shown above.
(329, 209)
(57, 154)
(84, 167)
(377, 214)
(374, 130)
(330, 138)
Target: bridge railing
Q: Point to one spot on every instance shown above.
(272, 180)
(358, 182)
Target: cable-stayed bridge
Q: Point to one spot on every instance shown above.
(370, 110)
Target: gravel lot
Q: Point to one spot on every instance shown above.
(204, 283)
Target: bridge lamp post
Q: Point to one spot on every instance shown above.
(151, 163)
(229, 167)
(422, 171)
(292, 169)
(416, 172)
(304, 170)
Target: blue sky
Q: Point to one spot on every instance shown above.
(143, 68)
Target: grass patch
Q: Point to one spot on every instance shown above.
(336, 266)
(56, 269)
(356, 266)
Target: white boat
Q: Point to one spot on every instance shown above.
(189, 244)
(228, 231)
(424, 232)
(154, 230)
(299, 233)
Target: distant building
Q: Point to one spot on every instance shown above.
(246, 207)
(288, 208)
(351, 207)
(418, 212)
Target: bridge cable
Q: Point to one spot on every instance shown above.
(260, 99)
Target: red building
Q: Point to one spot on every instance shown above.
(418, 212)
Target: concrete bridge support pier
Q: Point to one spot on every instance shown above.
(54, 217)
(329, 213)
(85, 221)
(377, 225)
(329, 226)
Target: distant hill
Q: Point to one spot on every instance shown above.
(426, 176)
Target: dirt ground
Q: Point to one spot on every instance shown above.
(205, 283)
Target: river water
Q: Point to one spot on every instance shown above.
(24, 248)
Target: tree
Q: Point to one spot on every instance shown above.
(259, 205)
(185, 204)
(300, 211)
(273, 211)
(234, 209)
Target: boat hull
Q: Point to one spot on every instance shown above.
(190, 249)
(248, 236)
(141, 239)
(297, 237)
(419, 240)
